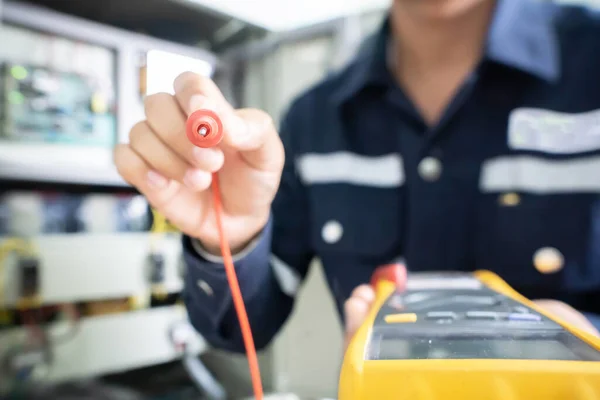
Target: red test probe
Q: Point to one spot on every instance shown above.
(204, 129)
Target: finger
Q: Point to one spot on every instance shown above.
(183, 208)
(568, 314)
(162, 159)
(243, 131)
(134, 170)
(194, 91)
(261, 148)
(356, 311)
(166, 119)
(364, 292)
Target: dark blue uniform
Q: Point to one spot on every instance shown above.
(508, 180)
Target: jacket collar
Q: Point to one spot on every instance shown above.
(522, 36)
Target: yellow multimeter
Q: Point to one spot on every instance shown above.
(445, 336)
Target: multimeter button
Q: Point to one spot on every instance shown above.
(488, 315)
(396, 302)
(400, 318)
(476, 300)
(441, 315)
(521, 310)
(524, 317)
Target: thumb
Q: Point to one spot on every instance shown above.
(568, 314)
(256, 139)
(356, 310)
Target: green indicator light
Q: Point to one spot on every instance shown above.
(18, 72)
(16, 98)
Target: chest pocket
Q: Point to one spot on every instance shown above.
(356, 225)
(535, 225)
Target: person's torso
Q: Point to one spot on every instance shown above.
(508, 181)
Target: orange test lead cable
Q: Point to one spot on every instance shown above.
(204, 129)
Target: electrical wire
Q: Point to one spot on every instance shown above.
(204, 129)
(236, 294)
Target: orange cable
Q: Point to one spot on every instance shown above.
(204, 129)
(236, 294)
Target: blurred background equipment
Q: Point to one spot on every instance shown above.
(90, 275)
(89, 285)
(66, 83)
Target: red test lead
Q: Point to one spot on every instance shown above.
(205, 129)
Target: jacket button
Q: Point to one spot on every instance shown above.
(548, 260)
(510, 199)
(332, 232)
(206, 288)
(430, 169)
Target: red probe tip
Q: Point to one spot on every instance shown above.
(204, 128)
(395, 273)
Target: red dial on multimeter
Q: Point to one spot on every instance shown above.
(395, 273)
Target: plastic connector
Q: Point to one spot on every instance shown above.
(29, 271)
(157, 276)
(204, 128)
(157, 267)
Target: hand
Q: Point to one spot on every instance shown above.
(357, 307)
(356, 310)
(175, 176)
(568, 314)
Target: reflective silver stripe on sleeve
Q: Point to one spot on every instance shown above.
(287, 277)
(344, 167)
(541, 176)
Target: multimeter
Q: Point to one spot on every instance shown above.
(444, 336)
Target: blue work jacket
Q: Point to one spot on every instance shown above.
(508, 180)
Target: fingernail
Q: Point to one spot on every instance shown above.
(180, 82)
(211, 158)
(156, 180)
(196, 179)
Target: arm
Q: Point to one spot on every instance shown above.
(269, 270)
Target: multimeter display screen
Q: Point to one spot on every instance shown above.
(559, 346)
(457, 317)
(475, 349)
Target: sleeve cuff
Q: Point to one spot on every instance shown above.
(198, 248)
(206, 280)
